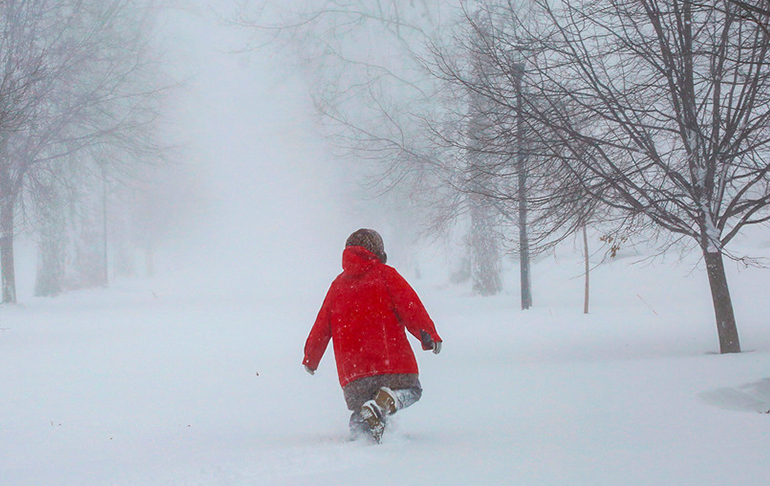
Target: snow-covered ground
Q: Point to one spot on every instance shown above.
(154, 383)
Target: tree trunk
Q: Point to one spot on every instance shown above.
(50, 269)
(51, 250)
(7, 267)
(723, 306)
(588, 270)
(485, 252)
(524, 266)
(105, 255)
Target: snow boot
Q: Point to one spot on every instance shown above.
(359, 429)
(374, 412)
(374, 418)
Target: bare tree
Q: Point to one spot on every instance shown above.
(23, 69)
(112, 141)
(660, 111)
(484, 238)
(539, 197)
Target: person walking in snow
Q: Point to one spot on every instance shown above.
(366, 312)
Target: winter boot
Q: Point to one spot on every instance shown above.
(358, 427)
(374, 419)
(374, 412)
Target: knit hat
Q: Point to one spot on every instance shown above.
(369, 239)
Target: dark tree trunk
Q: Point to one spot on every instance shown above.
(7, 267)
(723, 306)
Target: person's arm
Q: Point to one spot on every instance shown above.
(319, 336)
(410, 310)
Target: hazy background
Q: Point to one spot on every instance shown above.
(262, 204)
(252, 197)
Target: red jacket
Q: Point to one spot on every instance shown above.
(365, 313)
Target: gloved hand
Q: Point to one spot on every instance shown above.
(429, 344)
(436, 347)
(309, 370)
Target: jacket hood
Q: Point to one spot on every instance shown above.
(357, 260)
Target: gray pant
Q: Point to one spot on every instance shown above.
(406, 387)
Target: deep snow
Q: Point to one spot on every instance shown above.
(153, 383)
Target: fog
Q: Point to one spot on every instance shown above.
(249, 196)
(272, 206)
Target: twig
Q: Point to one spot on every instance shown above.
(648, 305)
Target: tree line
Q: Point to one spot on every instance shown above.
(80, 95)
